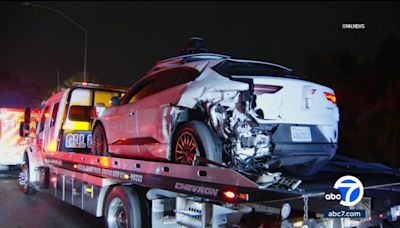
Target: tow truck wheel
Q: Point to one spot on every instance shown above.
(99, 141)
(195, 138)
(125, 208)
(25, 187)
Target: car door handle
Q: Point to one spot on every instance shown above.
(131, 114)
(164, 105)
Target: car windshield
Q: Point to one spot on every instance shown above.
(234, 68)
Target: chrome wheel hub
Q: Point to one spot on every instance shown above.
(116, 217)
(186, 149)
(23, 176)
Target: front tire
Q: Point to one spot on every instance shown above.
(195, 138)
(125, 208)
(24, 179)
(99, 141)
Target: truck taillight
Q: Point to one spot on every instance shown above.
(230, 195)
(261, 89)
(331, 97)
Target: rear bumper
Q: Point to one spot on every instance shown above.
(287, 152)
(303, 153)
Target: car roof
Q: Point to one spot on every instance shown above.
(184, 59)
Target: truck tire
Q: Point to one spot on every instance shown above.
(23, 180)
(99, 141)
(126, 207)
(195, 138)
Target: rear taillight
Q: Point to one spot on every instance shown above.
(260, 89)
(331, 97)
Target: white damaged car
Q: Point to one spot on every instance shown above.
(208, 108)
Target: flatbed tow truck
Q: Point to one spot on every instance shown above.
(138, 193)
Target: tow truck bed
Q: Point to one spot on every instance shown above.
(210, 183)
(67, 173)
(207, 182)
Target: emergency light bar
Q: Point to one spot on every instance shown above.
(95, 85)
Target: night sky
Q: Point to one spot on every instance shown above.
(126, 38)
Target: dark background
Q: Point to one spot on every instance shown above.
(126, 38)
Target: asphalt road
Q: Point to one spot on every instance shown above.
(40, 210)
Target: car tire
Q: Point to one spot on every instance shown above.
(126, 207)
(195, 137)
(99, 141)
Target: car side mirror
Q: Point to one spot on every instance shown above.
(115, 101)
(25, 130)
(24, 127)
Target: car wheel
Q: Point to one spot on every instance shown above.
(24, 183)
(125, 207)
(195, 138)
(99, 141)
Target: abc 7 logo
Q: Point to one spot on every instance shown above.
(351, 191)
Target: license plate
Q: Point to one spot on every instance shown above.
(301, 134)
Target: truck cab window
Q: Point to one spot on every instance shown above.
(104, 97)
(78, 116)
(45, 116)
(54, 114)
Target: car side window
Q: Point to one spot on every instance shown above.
(146, 90)
(166, 79)
(174, 77)
(187, 75)
(160, 81)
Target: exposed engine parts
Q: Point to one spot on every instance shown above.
(247, 145)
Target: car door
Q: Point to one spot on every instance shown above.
(154, 113)
(121, 121)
